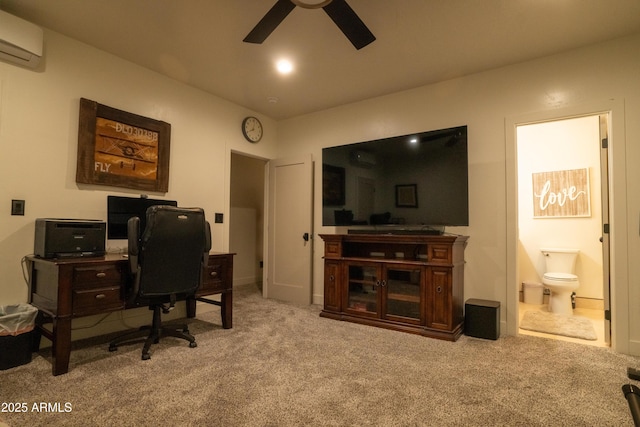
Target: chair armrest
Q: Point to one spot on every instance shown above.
(207, 247)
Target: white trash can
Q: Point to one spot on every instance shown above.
(533, 293)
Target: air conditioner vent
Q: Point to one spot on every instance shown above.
(21, 42)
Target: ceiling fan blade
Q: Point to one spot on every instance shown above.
(349, 23)
(270, 21)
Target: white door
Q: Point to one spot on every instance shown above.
(289, 237)
(604, 179)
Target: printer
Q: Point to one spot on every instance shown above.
(70, 238)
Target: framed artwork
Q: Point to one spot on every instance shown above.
(333, 193)
(407, 196)
(122, 149)
(561, 194)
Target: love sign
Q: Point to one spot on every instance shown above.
(561, 194)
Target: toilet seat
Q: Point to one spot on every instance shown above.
(560, 282)
(560, 277)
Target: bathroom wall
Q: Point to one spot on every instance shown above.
(554, 146)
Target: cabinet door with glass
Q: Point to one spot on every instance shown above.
(384, 291)
(362, 292)
(402, 292)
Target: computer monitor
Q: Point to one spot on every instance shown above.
(120, 209)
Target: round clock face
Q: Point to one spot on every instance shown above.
(252, 129)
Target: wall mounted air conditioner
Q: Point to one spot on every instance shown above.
(21, 42)
(363, 159)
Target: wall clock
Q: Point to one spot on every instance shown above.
(252, 129)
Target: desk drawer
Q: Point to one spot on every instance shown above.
(214, 279)
(97, 300)
(99, 275)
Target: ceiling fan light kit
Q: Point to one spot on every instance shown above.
(310, 4)
(338, 10)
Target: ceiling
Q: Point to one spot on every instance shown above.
(199, 42)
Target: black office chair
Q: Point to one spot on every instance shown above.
(167, 262)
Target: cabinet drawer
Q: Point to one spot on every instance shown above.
(92, 276)
(214, 277)
(332, 249)
(96, 300)
(440, 253)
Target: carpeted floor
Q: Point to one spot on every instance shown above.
(283, 365)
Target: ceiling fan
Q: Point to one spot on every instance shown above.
(338, 10)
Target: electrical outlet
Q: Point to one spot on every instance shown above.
(17, 207)
(218, 218)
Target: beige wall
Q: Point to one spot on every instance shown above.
(486, 102)
(38, 145)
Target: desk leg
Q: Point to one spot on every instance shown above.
(226, 309)
(225, 304)
(61, 345)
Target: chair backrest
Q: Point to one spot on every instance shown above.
(169, 256)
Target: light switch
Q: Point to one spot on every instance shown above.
(17, 207)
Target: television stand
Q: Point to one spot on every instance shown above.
(405, 282)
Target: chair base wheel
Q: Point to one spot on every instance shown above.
(146, 356)
(193, 344)
(113, 347)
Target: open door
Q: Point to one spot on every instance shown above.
(604, 179)
(289, 237)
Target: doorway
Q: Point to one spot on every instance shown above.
(571, 149)
(246, 218)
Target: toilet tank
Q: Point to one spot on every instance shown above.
(560, 260)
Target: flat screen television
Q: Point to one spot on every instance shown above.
(416, 181)
(120, 209)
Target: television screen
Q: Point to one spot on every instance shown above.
(416, 180)
(120, 209)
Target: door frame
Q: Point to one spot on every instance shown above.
(619, 276)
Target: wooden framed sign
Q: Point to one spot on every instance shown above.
(122, 149)
(561, 194)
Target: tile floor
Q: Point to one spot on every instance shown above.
(596, 316)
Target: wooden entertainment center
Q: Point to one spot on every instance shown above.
(406, 282)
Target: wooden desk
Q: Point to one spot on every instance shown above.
(64, 289)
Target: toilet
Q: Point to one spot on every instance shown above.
(560, 279)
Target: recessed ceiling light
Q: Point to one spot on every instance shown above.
(284, 66)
